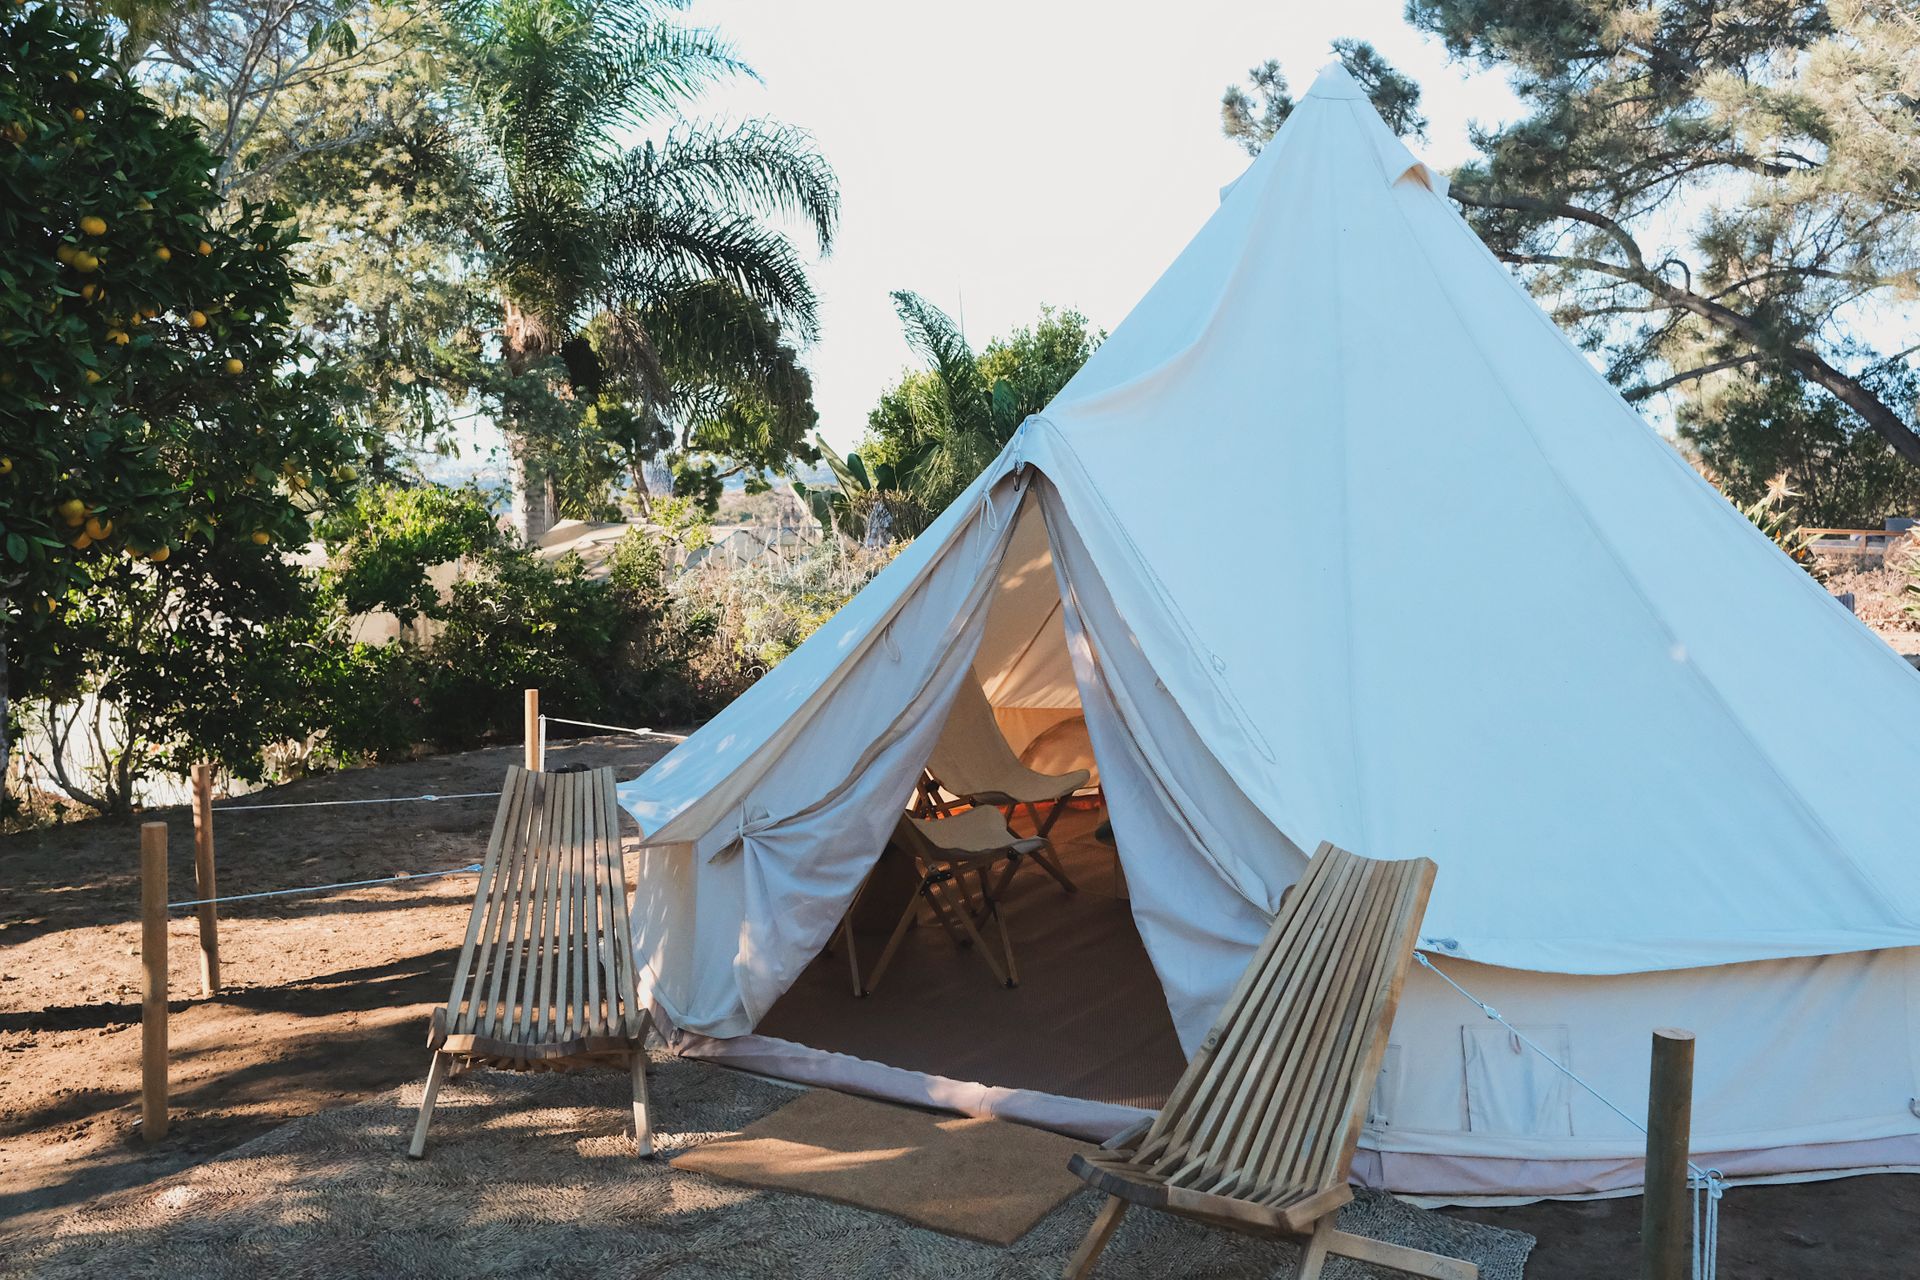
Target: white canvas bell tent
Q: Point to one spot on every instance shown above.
(1487, 616)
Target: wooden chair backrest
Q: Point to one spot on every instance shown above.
(1273, 1101)
(548, 957)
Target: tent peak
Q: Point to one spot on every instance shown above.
(1335, 81)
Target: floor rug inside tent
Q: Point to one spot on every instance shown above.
(988, 1180)
(534, 1175)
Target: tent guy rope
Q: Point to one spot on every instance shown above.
(322, 888)
(320, 804)
(590, 724)
(1709, 1185)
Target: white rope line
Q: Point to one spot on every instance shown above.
(322, 888)
(590, 724)
(318, 804)
(1709, 1183)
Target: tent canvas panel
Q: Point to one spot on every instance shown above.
(1631, 788)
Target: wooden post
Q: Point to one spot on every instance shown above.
(153, 958)
(1665, 1222)
(533, 730)
(203, 878)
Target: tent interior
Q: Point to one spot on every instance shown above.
(1088, 1018)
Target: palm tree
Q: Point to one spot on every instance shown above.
(959, 420)
(577, 223)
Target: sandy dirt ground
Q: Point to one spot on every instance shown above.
(326, 1000)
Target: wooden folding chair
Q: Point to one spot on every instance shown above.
(1259, 1133)
(943, 852)
(545, 978)
(973, 762)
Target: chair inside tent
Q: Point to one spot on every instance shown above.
(1635, 788)
(1086, 1019)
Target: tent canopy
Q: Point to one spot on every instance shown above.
(1485, 615)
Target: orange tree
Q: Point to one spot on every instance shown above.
(164, 436)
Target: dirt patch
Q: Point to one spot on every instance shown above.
(325, 998)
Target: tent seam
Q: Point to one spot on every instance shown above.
(1345, 552)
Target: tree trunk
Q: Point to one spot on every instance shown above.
(6, 724)
(521, 339)
(531, 516)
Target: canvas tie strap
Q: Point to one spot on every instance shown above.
(722, 838)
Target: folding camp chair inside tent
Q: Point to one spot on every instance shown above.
(1628, 772)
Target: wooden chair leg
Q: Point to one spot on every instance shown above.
(1044, 859)
(943, 911)
(435, 1074)
(853, 955)
(1396, 1257)
(1313, 1250)
(1006, 943)
(1041, 826)
(1081, 1264)
(980, 944)
(872, 983)
(642, 1123)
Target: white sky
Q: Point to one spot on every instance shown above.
(1002, 154)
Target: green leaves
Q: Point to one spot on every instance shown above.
(163, 430)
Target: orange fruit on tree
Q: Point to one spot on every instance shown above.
(81, 543)
(198, 319)
(6, 465)
(78, 114)
(118, 337)
(93, 226)
(159, 554)
(65, 253)
(93, 376)
(88, 290)
(204, 248)
(235, 365)
(261, 537)
(163, 253)
(72, 509)
(98, 529)
(85, 262)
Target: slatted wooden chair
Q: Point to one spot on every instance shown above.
(1259, 1133)
(545, 978)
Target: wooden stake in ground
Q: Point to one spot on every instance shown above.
(153, 1005)
(533, 731)
(1665, 1222)
(203, 878)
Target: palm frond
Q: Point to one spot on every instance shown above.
(676, 248)
(759, 167)
(934, 336)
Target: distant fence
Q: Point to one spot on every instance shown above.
(1852, 543)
